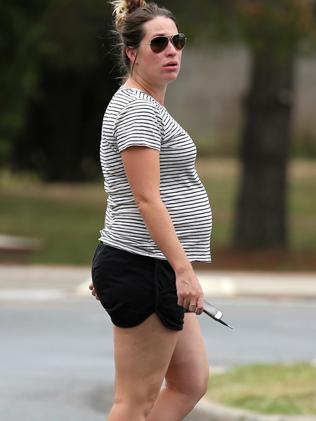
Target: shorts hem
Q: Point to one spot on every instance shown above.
(167, 325)
(130, 324)
(137, 323)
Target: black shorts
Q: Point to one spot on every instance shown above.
(131, 287)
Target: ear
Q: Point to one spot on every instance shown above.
(131, 54)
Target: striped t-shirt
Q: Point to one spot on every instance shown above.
(134, 118)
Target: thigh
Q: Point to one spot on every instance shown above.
(188, 369)
(142, 356)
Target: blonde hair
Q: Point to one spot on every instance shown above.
(123, 7)
(129, 19)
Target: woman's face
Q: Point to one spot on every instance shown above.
(158, 69)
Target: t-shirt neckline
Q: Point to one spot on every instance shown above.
(143, 92)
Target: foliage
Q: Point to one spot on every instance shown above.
(21, 49)
(56, 69)
(252, 22)
(56, 81)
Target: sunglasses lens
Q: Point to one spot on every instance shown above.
(179, 41)
(158, 44)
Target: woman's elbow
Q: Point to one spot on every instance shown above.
(147, 200)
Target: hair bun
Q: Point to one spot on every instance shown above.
(123, 8)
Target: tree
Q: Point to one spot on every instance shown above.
(275, 31)
(56, 82)
(21, 48)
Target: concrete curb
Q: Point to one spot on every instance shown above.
(207, 410)
(74, 281)
(256, 284)
(247, 284)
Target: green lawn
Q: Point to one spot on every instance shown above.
(221, 179)
(68, 217)
(267, 388)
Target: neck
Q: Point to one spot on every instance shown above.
(157, 92)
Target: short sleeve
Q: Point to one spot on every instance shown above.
(138, 124)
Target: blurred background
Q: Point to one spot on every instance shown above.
(246, 94)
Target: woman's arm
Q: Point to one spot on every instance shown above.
(142, 167)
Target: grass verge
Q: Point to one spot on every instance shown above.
(267, 388)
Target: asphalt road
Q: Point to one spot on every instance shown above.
(56, 355)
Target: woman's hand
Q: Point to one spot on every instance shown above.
(189, 291)
(93, 291)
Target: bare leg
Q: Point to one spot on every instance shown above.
(142, 356)
(187, 375)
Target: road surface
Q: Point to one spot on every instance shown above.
(57, 355)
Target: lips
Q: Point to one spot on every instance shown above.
(171, 64)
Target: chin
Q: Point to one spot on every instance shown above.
(171, 77)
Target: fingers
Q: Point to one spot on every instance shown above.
(192, 303)
(200, 305)
(186, 303)
(196, 306)
(180, 301)
(192, 307)
(93, 291)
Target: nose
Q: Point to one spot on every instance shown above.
(171, 49)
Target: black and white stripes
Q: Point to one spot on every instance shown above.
(134, 118)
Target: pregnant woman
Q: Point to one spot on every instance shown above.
(158, 221)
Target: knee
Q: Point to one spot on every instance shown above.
(148, 402)
(199, 385)
(194, 387)
(138, 402)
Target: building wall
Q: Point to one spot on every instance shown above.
(206, 99)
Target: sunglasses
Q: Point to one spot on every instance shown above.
(158, 44)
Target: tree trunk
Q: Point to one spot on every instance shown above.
(261, 220)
